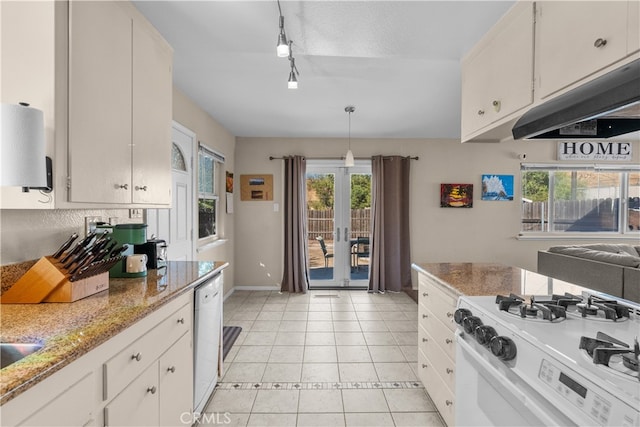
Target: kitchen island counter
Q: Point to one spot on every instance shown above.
(477, 278)
(70, 330)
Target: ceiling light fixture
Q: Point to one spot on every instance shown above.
(348, 159)
(283, 46)
(293, 81)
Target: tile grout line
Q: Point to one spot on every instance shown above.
(334, 385)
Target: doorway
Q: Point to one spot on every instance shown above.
(339, 224)
(175, 225)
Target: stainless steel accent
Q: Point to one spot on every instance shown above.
(12, 352)
(602, 108)
(338, 234)
(124, 186)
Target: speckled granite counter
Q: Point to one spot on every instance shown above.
(471, 278)
(69, 330)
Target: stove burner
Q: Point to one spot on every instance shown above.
(587, 310)
(604, 348)
(548, 310)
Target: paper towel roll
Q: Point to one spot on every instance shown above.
(22, 150)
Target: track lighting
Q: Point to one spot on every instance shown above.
(285, 49)
(348, 159)
(283, 46)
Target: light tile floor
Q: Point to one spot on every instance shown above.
(327, 358)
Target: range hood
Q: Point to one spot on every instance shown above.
(605, 107)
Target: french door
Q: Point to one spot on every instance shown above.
(339, 224)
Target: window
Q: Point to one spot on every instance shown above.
(580, 198)
(208, 190)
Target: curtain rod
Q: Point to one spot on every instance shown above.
(339, 158)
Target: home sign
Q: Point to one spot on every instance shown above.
(594, 150)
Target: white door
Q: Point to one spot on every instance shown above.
(339, 208)
(175, 225)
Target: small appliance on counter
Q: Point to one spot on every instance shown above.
(156, 252)
(133, 265)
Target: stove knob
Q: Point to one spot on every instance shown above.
(503, 347)
(460, 314)
(484, 334)
(470, 323)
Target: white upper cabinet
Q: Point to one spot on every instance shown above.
(120, 107)
(99, 102)
(575, 39)
(497, 74)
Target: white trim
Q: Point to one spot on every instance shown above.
(214, 244)
(257, 288)
(582, 236)
(216, 155)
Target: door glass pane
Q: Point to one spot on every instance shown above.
(321, 223)
(360, 218)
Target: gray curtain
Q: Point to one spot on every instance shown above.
(390, 257)
(296, 275)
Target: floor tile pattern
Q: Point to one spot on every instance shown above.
(325, 358)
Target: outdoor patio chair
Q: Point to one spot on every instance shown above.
(360, 250)
(327, 255)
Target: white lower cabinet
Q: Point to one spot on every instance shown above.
(436, 344)
(142, 376)
(176, 384)
(138, 403)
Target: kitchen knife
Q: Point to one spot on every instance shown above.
(100, 244)
(111, 246)
(77, 248)
(85, 242)
(117, 251)
(78, 258)
(66, 245)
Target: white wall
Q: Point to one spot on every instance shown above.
(485, 233)
(214, 136)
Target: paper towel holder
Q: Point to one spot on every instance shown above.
(22, 146)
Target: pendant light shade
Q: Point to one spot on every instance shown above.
(283, 46)
(349, 161)
(293, 81)
(22, 146)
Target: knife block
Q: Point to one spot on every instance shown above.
(46, 281)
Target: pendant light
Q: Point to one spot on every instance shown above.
(293, 80)
(348, 159)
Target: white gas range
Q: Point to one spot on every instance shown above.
(559, 360)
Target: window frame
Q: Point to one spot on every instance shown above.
(218, 159)
(623, 210)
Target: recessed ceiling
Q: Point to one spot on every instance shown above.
(398, 62)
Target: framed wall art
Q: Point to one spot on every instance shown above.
(497, 187)
(256, 187)
(229, 182)
(456, 195)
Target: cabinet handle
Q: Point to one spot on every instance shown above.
(425, 340)
(449, 370)
(424, 294)
(600, 43)
(481, 112)
(497, 105)
(424, 365)
(152, 390)
(425, 316)
(143, 188)
(171, 369)
(181, 320)
(125, 186)
(448, 340)
(448, 402)
(449, 314)
(137, 357)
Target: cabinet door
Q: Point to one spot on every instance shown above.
(176, 382)
(72, 407)
(138, 404)
(497, 77)
(152, 112)
(567, 40)
(99, 102)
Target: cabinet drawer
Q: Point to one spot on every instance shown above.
(138, 403)
(439, 303)
(439, 392)
(443, 337)
(132, 360)
(439, 361)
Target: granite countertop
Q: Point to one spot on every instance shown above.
(69, 330)
(477, 278)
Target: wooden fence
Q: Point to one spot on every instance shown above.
(321, 223)
(568, 212)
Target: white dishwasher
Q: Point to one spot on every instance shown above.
(206, 339)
